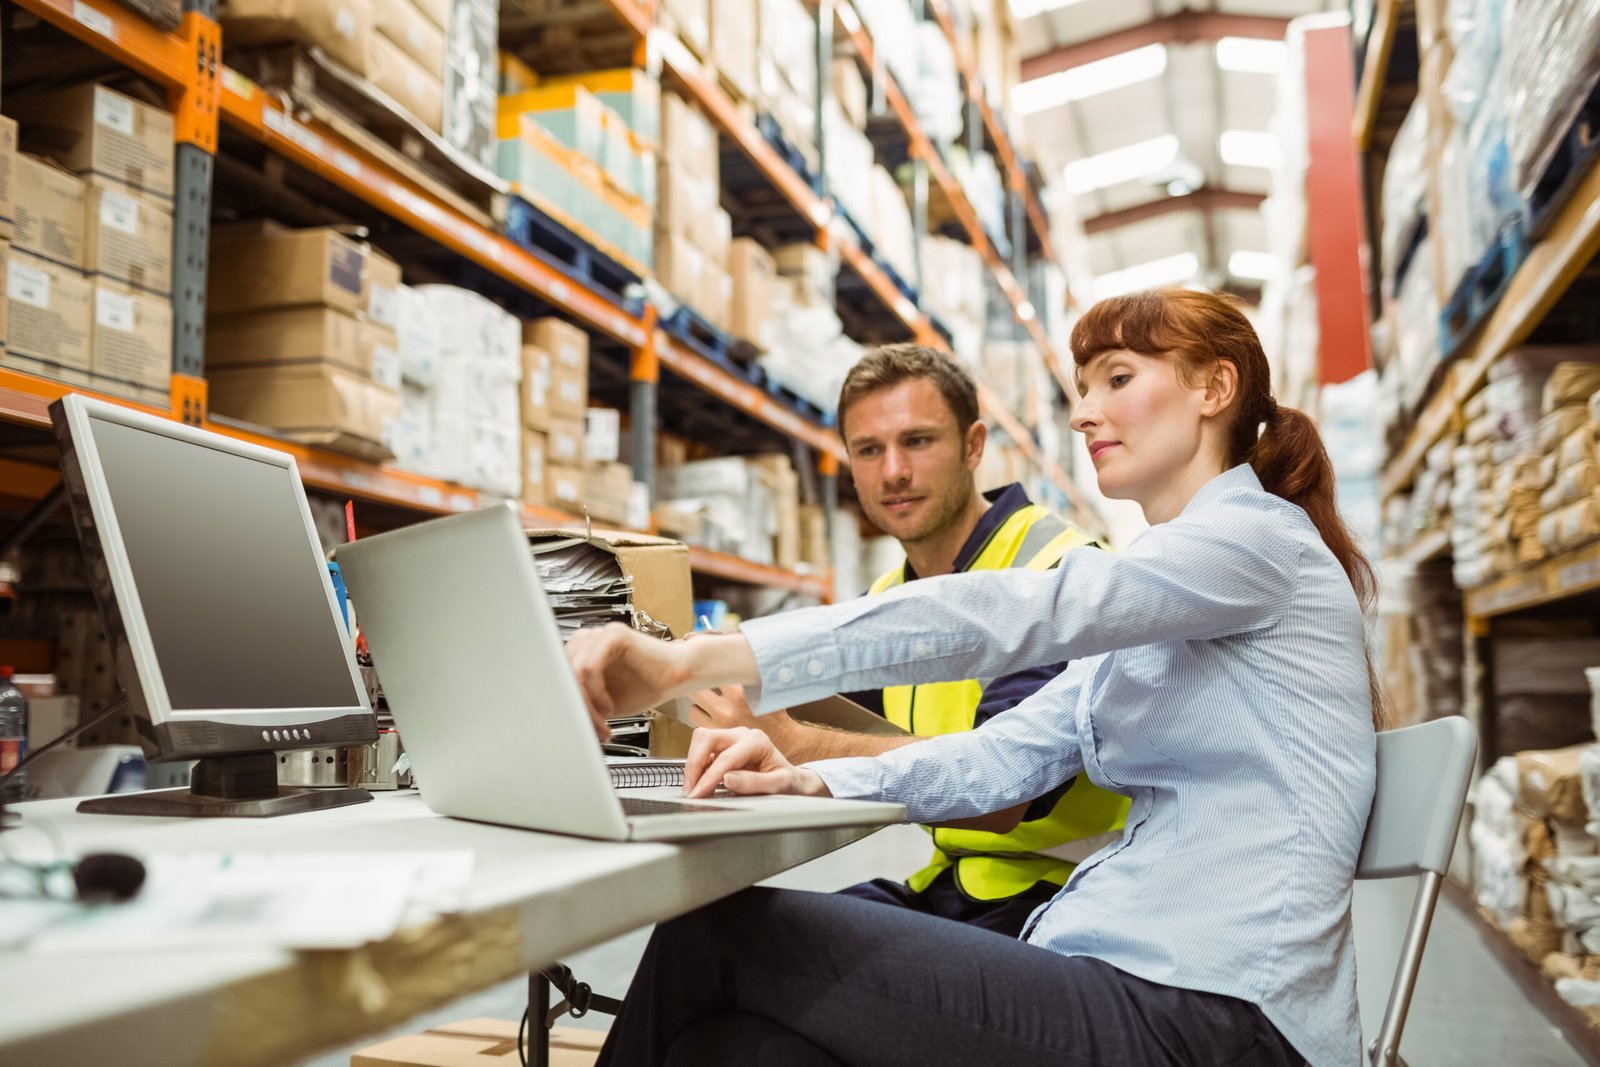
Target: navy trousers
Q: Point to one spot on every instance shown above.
(779, 978)
(944, 898)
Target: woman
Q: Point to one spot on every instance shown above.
(1219, 678)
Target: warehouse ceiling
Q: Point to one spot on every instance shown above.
(1155, 114)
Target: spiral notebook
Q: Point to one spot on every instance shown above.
(634, 772)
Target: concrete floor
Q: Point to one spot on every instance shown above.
(1467, 1010)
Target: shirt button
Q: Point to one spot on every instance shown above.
(785, 675)
(921, 648)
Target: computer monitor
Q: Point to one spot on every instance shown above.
(225, 633)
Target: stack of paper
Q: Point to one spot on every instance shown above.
(585, 584)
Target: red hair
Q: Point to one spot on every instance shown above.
(1199, 330)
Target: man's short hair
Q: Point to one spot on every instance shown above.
(889, 365)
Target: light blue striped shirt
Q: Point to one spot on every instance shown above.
(1218, 678)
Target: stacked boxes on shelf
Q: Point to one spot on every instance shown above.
(433, 60)
(746, 506)
(582, 149)
(288, 342)
(786, 63)
(807, 351)
(90, 275)
(693, 233)
(735, 43)
(555, 401)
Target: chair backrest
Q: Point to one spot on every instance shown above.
(1423, 773)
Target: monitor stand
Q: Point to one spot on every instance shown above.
(228, 786)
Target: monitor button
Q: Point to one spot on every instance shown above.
(276, 736)
(266, 735)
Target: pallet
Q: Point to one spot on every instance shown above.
(689, 327)
(773, 134)
(1480, 290)
(870, 247)
(547, 238)
(1569, 160)
(775, 389)
(352, 108)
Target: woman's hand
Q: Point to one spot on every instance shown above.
(744, 761)
(623, 672)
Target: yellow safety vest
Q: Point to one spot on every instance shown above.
(997, 866)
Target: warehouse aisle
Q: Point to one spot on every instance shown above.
(1467, 1011)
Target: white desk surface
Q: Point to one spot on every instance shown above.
(533, 898)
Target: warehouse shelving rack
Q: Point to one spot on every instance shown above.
(203, 92)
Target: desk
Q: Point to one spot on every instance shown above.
(533, 899)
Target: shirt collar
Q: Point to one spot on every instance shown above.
(1241, 477)
(1003, 503)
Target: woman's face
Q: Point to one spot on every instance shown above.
(1142, 424)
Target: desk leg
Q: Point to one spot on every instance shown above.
(538, 1012)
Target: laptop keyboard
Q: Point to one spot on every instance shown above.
(648, 806)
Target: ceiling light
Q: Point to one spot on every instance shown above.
(1026, 9)
(1251, 55)
(1253, 266)
(1090, 79)
(1157, 272)
(1120, 164)
(1249, 148)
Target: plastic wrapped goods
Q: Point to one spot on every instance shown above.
(1550, 56)
(1405, 190)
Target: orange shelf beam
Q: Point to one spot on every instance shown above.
(115, 31)
(735, 569)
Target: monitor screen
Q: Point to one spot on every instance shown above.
(229, 583)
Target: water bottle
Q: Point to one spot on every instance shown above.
(13, 732)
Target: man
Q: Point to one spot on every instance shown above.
(909, 419)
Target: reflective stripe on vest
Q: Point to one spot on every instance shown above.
(997, 866)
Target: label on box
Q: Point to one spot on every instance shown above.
(639, 505)
(386, 367)
(113, 311)
(114, 111)
(571, 392)
(566, 490)
(28, 284)
(98, 21)
(119, 212)
(565, 447)
(383, 307)
(571, 355)
(345, 23)
(345, 265)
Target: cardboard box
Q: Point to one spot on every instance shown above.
(814, 537)
(688, 139)
(289, 335)
(8, 171)
(471, 39)
(692, 19)
(256, 267)
(850, 89)
(811, 267)
(536, 387)
(437, 11)
(406, 81)
(607, 489)
(313, 403)
(681, 267)
(1550, 785)
(382, 347)
(132, 337)
(127, 237)
(49, 219)
(684, 201)
(632, 92)
(569, 392)
(733, 43)
(92, 129)
(478, 1043)
(5, 257)
(563, 486)
(341, 28)
(48, 315)
(404, 24)
(382, 304)
(603, 435)
(535, 446)
(658, 568)
(567, 344)
(567, 442)
(754, 279)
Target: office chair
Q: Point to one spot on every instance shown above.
(1423, 772)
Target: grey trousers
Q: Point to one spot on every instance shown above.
(778, 978)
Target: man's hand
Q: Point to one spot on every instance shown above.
(623, 672)
(723, 708)
(744, 761)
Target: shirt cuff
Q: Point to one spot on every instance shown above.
(796, 658)
(852, 778)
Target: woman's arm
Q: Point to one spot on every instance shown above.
(1230, 570)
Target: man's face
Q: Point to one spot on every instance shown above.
(911, 464)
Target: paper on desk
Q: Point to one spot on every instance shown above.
(294, 901)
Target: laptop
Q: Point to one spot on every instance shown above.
(478, 683)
